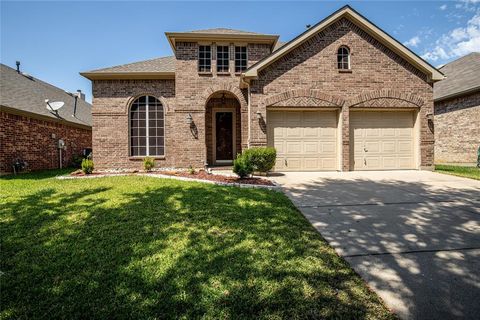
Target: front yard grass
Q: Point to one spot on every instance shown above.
(466, 172)
(141, 247)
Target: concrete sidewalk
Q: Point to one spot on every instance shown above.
(414, 236)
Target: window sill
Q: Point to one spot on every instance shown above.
(345, 71)
(238, 74)
(204, 73)
(137, 158)
(223, 73)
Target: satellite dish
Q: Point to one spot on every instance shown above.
(55, 105)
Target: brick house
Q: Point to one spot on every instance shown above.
(29, 132)
(457, 111)
(343, 95)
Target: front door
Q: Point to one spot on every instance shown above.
(224, 136)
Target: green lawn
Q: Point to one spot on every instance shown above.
(147, 248)
(466, 172)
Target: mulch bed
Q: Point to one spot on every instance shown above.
(201, 175)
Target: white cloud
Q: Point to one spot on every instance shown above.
(457, 42)
(443, 7)
(413, 42)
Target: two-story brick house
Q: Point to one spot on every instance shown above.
(343, 95)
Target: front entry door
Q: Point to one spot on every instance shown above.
(223, 137)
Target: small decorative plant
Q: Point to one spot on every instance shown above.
(148, 163)
(87, 166)
(242, 166)
(191, 170)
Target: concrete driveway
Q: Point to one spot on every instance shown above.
(414, 236)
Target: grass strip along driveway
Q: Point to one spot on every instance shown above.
(466, 172)
(141, 247)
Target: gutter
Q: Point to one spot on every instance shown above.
(457, 94)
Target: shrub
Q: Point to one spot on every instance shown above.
(148, 163)
(242, 166)
(262, 159)
(87, 166)
(191, 170)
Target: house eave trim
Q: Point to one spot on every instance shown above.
(127, 75)
(174, 37)
(37, 116)
(458, 94)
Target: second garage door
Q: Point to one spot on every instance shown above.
(382, 140)
(305, 140)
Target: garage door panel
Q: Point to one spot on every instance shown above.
(382, 140)
(293, 147)
(305, 140)
(328, 148)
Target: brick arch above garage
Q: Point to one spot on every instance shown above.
(303, 98)
(386, 99)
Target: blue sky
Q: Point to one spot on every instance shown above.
(56, 40)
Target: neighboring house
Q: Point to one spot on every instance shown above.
(457, 111)
(343, 95)
(30, 133)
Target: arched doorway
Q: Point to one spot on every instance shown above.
(222, 128)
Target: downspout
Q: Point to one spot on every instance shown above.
(249, 131)
(249, 115)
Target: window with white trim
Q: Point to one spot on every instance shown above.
(204, 58)
(147, 127)
(343, 58)
(223, 59)
(240, 59)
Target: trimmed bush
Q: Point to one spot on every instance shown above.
(242, 166)
(87, 166)
(262, 159)
(148, 163)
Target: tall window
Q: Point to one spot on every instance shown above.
(343, 58)
(240, 59)
(147, 127)
(222, 59)
(204, 58)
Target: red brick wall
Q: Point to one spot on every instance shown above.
(377, 73)
(188, 93)
(379, 78)
(31, 140)
(457, 129)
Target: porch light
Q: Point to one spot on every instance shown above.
(429, 116)
(259, 115)
(189, 119)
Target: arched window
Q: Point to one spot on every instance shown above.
(343, 58)
(147, 127)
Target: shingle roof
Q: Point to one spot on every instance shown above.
(28, 94)
(224, 31)
(162, 64)
(462, 76)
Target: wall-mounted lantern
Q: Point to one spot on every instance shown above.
(259, 115)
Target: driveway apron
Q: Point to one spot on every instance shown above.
(414, 236)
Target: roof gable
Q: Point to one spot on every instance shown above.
(348, 13)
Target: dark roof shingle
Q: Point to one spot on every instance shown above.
(463, 75)
(162, 64)
(28, 94)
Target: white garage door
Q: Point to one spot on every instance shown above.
(382, 140)
(305, 140)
